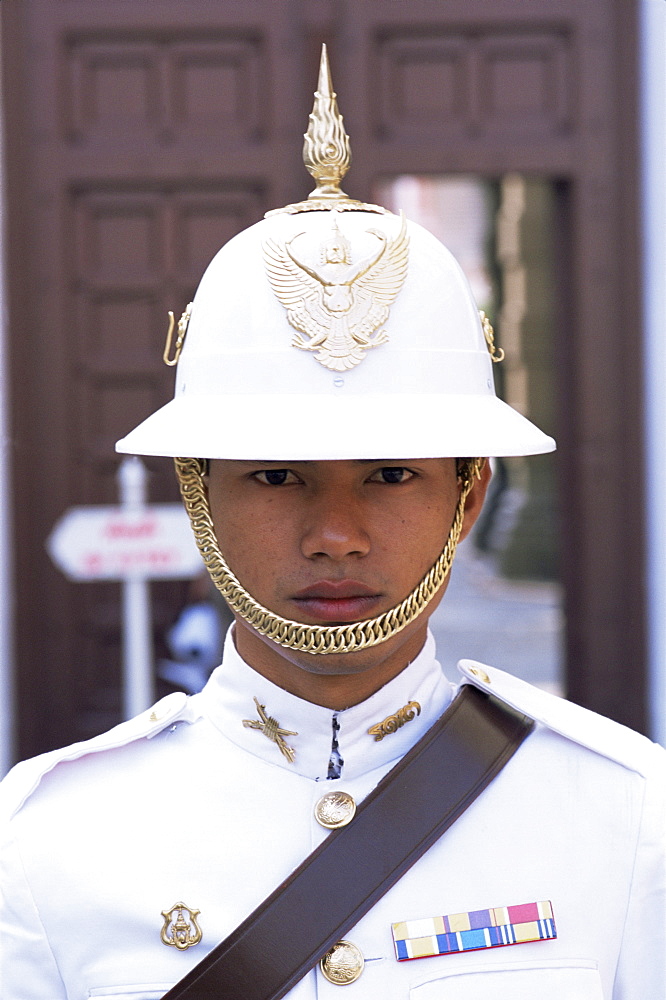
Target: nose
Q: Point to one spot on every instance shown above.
(335, 528)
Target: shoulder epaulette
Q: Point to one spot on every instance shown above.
(582, 726)
(23, 779)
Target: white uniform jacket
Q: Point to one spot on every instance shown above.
(185, 804)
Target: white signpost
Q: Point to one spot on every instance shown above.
(134, 542)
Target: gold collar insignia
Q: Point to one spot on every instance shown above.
(394, 722)
(270, 727)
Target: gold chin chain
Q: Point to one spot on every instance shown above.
(317, 639)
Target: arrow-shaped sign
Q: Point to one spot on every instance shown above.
(154, 542)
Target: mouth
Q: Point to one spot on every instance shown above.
(337, 601)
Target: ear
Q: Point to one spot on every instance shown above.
(475, 498)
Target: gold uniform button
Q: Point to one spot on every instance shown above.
(481, 674)
(335, 809)
(343, 964)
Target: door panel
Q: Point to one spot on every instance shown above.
(141, 136)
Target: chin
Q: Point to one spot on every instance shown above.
(361, 661)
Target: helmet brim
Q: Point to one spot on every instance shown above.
(318, 427)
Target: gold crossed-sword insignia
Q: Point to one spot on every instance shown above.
(272, 730)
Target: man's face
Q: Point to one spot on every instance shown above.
(329, 543)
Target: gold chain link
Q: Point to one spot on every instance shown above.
(316, 639)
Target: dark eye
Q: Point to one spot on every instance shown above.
(276, 477)
(391, 474)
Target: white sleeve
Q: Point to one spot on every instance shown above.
(28, 970)
(641, 972)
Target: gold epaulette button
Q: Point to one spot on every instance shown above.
(481, 674)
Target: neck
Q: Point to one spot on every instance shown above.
(335, 681)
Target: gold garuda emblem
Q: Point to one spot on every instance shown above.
(337, 303)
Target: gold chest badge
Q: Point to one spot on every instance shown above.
(338, 303)
(180, 929)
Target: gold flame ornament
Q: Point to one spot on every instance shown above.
(327, 154)
(326, 149)
(180, 931)
(337, 299)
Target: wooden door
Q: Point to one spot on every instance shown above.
(546, 90)
(142, 135)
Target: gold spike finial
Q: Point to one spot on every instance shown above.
(326, 153)
(326, 150)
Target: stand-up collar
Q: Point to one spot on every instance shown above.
(228, 700)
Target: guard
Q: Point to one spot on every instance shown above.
(331, 815)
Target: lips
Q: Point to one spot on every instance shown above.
(337, 601)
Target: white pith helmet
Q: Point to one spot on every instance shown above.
(334, 330)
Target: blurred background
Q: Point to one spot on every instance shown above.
(138, 137)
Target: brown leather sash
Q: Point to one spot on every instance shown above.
(336, 885)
